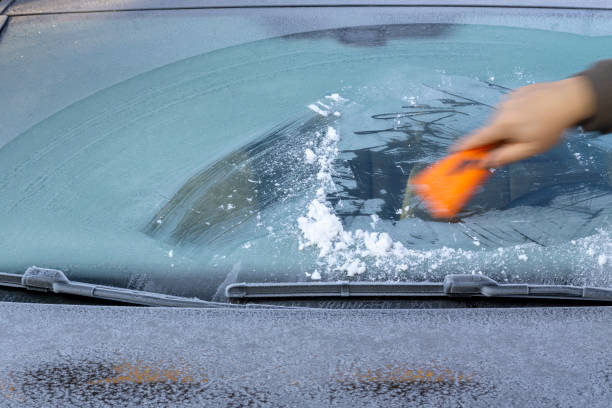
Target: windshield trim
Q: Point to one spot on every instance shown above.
(19, 8)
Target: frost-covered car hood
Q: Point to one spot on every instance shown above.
(99, 356)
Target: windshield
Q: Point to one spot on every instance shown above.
(289, 159)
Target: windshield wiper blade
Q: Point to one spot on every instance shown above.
(53, 280)
(453, 286)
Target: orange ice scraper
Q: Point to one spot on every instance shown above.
(447, 185)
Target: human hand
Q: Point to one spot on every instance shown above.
(532, 119)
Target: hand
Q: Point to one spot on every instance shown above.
(532, 119)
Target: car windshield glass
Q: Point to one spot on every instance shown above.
(289, 159)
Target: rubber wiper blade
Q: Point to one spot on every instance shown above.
(330, 289)
(453, 286)
(53, 280)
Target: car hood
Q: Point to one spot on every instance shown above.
(64, 355)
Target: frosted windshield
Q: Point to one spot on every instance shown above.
(289, 159)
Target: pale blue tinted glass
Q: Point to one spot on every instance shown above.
(288, 159)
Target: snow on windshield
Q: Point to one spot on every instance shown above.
(290, 159)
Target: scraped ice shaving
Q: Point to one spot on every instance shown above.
(376, 244)
(321, 227)
(410, 99)
(375, 219)
(354, 267)
(342, 251)
(324, 109)
(602, 259)
(318, 110)
(335, 97)
(403, 211)
(247, 245)
(522, 257)
(309, 156)
(170, 254)
(332, 135)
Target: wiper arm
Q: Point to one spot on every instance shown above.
(453, 286)
(53, 280)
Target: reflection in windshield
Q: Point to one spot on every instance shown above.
(237, 188)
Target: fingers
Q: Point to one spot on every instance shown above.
(488, 135)
(509, 153)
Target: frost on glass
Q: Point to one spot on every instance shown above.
(289, 159)
(349, 192)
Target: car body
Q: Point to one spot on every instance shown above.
(108, 181)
